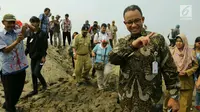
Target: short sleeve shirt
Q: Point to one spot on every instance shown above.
(15, 60)
(100, 36)
(45, 22)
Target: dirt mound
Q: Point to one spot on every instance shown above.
(66, 97)
(62, 94)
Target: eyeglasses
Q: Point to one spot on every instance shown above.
(136, 21)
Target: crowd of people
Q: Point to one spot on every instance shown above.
(144, 58)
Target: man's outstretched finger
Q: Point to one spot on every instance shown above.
(151, 34)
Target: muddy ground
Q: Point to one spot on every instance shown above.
(62, 94)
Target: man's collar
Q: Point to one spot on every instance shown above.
(83, 36)
(102, 32)
(144, 32)
(6, 32)
(45, 14)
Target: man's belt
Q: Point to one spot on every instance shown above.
(82, 54)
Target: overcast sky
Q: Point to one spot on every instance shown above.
(161, 15)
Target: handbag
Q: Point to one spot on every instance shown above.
(100, 65)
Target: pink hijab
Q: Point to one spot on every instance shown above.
(183, 59)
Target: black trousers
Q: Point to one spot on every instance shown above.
(51, 37)
(73, 63)
(68, 35)
(13, 85)
(93, 72)
(36, 74)
(111, 42)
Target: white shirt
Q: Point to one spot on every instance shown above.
(100, 36)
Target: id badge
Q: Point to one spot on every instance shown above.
(155, 67)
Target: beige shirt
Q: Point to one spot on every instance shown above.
(82, 44)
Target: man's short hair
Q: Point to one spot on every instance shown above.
(46, 9)
(67, 15)
(84, 28)
(132, 8)
(104, 25)
(76, 33)
(57, 16)
(34, 19)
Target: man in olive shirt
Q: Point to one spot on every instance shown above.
(82, 50)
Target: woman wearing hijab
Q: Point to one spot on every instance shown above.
(103, 67)
(197, 73)
(187, 64)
